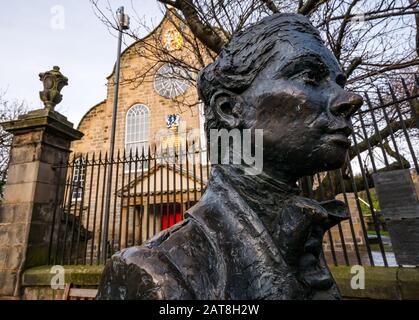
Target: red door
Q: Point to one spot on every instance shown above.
(171, 215)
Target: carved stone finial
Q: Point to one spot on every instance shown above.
(53, 82)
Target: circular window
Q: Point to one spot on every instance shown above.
(171, 81)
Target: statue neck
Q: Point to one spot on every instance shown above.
(264, 194)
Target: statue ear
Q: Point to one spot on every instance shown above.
(228, 107)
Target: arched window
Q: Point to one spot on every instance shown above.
(136, 132)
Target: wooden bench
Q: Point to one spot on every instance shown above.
(71, 293)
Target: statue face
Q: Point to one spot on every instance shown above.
(299, 101)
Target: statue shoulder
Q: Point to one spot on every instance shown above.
(162, 268)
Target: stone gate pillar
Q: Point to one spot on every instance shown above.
(34, 188)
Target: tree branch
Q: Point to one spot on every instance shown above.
(203, 31)
(413, 2)
(379, 136)
(310, 6)
(385, 69)
(352, 66)
(346, 19)
(271, 6)
(368, 16)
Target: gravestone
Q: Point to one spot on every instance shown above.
(400, 207)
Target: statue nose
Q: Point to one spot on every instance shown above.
(346, 104)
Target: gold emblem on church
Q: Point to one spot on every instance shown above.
(172, 40)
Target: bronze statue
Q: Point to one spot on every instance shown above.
(255, 237)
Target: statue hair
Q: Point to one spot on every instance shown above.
(248, 52)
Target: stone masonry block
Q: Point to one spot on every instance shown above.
(36, 255)
(45, 193)
(8, 282)
(46, 173)
(19, 193)
(52, 155)
(39, 232)
(3, 256)
(44, 213)
(13, 234)
(31, 136)
(15, 212)
(25, 153)
(14, 257)
(22, 173)
(30, 294)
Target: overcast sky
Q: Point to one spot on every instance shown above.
(34, 37)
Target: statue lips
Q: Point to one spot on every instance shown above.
(339, 136)
(339, 139)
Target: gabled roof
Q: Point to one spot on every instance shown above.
(144, 182)
(88, 111)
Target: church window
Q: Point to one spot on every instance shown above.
(171, 81)
(137, 126)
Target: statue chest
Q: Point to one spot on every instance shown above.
(258, 271)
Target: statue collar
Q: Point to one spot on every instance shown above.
(236, 175)
(266, 196)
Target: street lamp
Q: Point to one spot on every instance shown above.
(123, 19)
(123, 24)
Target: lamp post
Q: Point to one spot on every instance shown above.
(123, 24)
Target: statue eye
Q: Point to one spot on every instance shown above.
(310, 77)
(341, 80)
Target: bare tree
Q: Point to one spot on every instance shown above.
(9, 110)
(372, 40)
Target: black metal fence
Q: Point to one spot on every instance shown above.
(151, 190)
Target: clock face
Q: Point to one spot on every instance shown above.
(172, 40)
(171, 81)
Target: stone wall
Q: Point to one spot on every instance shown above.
(33, 190)
(346, 228)
(380, 283)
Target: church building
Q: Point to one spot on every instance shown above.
(159, 116)
(163, 98)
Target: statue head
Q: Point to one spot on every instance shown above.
(277, 75)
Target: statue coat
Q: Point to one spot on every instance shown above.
(224, 250)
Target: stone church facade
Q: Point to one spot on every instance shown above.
(159, 114)
(148, 103)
